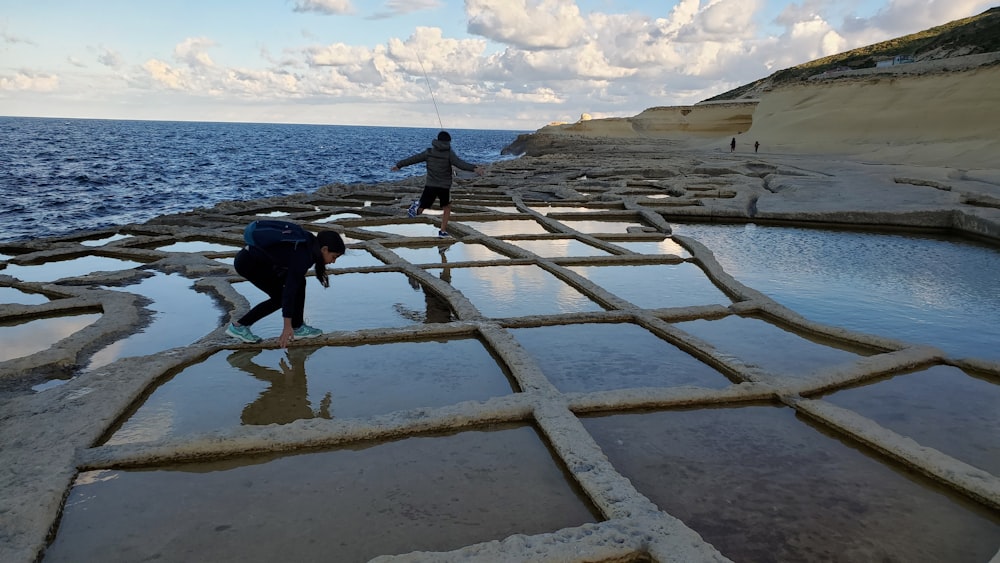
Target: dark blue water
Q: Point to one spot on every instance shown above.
(59, 176)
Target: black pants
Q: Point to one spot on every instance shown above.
(260, 271)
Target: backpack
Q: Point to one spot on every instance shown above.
(266, 232)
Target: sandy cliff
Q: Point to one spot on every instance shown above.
(943, 118)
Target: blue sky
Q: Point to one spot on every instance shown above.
(504, 64)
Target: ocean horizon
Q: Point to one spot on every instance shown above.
(60, 176)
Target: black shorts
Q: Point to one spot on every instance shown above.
(430, 194)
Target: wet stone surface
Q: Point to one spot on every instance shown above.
(567, 377)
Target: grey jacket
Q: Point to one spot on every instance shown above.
(440, 159)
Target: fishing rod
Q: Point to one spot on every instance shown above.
(431, 90)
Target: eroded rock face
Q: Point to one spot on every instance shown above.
(639, 185)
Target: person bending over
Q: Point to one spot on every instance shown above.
(440, 159)
(279, 270)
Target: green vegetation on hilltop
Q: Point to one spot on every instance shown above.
(969, 36)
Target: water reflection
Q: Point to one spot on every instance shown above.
(805, 495)
(655, 286)
(26, 338)
(511, 291)
(559, 248)
(938, 291)
(181, 316)
(14, 295)
(51, 271)
(507, 227)
(198, 246)
(286, 397)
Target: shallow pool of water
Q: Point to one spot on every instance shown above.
(405, 230)
(337, 217)
(665, 246)
(13, 295)
(941, 407)
(260, 387)
(559, 248)
(355, 301)
(507, 227)
(761, 485)
(51, 271)
(655, 286)
(447, 251)
(28, 337)
(356, 258)
(770, 347)
(198, 246)
(432, 493)
(105, 240)
(515, 291)
(594, 227)
(603, 356)
(936, 291)
(181, 316)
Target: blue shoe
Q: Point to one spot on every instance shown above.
(242, 333)
(306, 331)
(414, 207)
(443, 234)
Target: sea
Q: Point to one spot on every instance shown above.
(63, 176)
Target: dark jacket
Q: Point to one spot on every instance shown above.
(440, 158)
(290, 262)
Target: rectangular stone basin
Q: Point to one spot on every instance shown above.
(593, 227)
(405, 229)
(942, 407)
(506, 227)
(559, 248)
(259, 387)
(656, 286)
(24, 338)
(761, 485)
(180, 317)
(58, 269)
(428, 493)
(604, 356)
(665, 246)
(199, 246)
(447, 251)
(515, 291)
(353, 301)
(770, 347)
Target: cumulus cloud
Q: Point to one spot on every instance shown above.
(328, 7)
(539, 24)
(28, 81)
(193, 52)
(394, 8)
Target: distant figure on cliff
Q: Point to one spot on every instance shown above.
(440, 159)
(732, 145)
(756, 145)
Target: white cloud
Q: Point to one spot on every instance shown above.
(192, 52)
(539, 24)
(111, 59)
(27, 81)
(328, 7)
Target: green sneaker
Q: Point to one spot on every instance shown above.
(242, 333)
(306, 331)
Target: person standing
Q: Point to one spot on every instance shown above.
(756, 146)
(279, 270)
(732, 145)
(439, 159)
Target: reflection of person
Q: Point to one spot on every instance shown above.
(287, 398)
(732, 145)
(440, 159)
(437, 309)
(280, 272)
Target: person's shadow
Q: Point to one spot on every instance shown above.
(287, 398)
